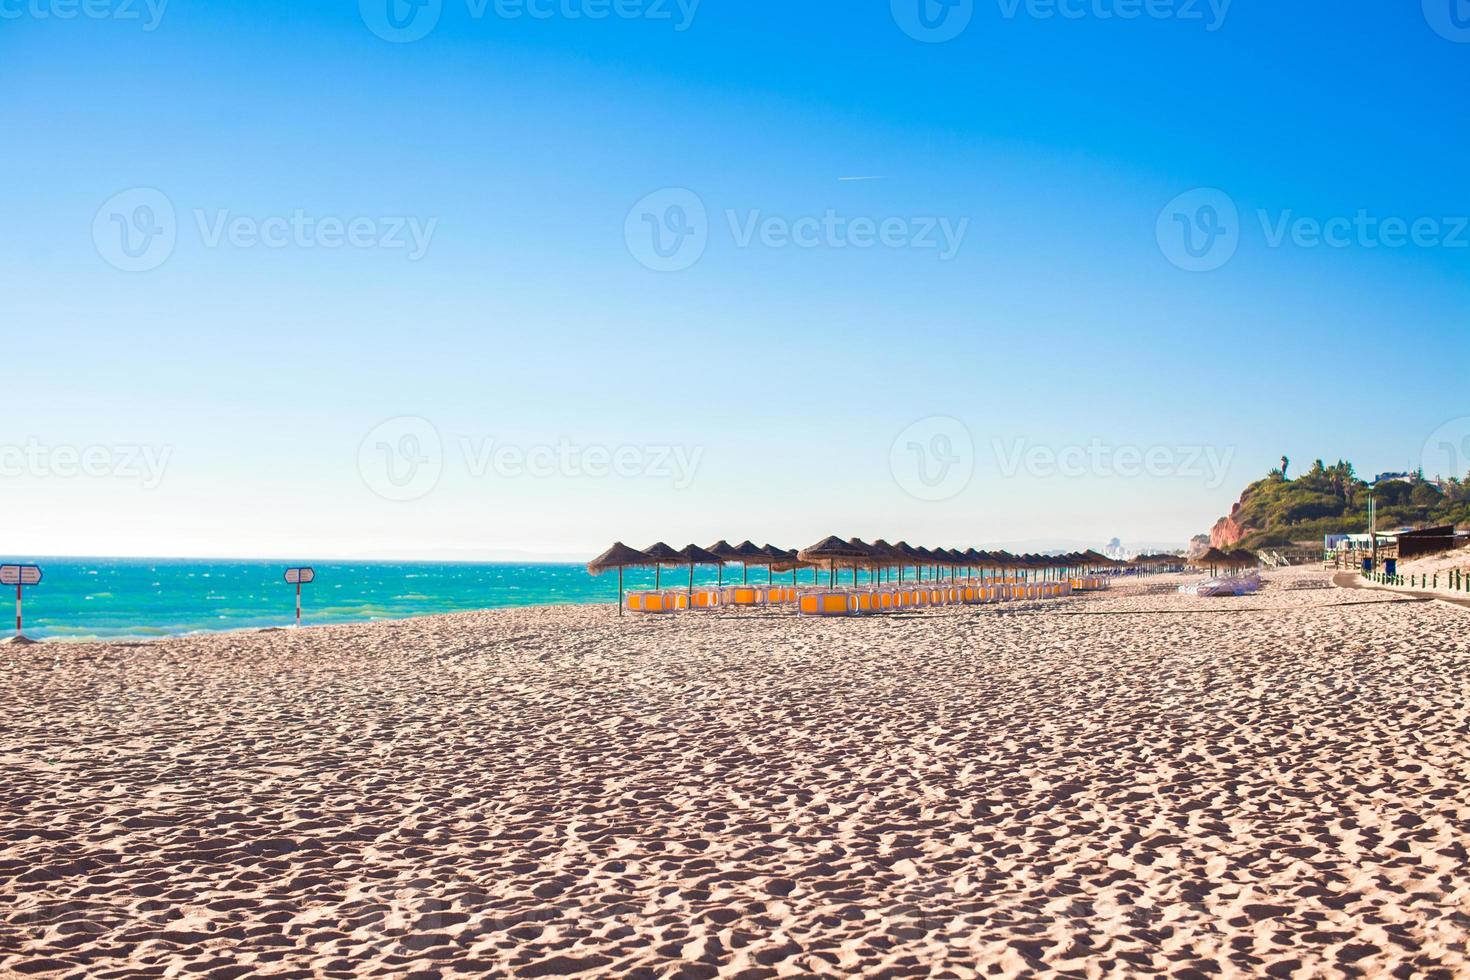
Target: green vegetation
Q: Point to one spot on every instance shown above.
(1332, 500)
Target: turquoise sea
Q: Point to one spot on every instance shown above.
(148, 598)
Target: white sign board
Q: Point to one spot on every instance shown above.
(20, 575)
(300, 576)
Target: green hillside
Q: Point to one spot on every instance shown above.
(1277, 511)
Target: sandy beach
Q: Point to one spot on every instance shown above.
(1133, 782)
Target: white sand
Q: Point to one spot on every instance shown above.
(1120, 784)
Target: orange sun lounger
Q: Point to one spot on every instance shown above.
(827, 604)
(657, 601)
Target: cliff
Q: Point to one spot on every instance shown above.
(1228, 532)
(1276, 512)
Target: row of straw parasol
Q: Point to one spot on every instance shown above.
(1156, 562)
(1215, 559)
(834, 554)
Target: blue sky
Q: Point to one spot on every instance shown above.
(264, 389)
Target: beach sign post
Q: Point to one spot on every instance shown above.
(299, 577)
(19, 576)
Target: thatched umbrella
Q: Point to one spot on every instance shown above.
(925, 558)
(722, 550)
(662, 555)
(1094, 561)
(1058, 565)
(1246, 558)
(1005, 561)
(749, 553)
(1153, 563)
(619, 556)
(787, 562)
(774, 556)
(985, 560)
(782, 561)
(885, 555)
(957, 561)
(906, 554)
(871, 557)
(693, 555)
(1212, 559)
(900, 555)
(830, 552)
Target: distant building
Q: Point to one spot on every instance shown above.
(1395, 478)
(1419, 541)
(1354, 550)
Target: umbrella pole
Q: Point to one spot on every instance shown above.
(691, 579)
(620, 592)
(658, 577)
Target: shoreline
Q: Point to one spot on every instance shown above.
(138, 640)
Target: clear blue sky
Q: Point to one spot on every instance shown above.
(802, 383)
